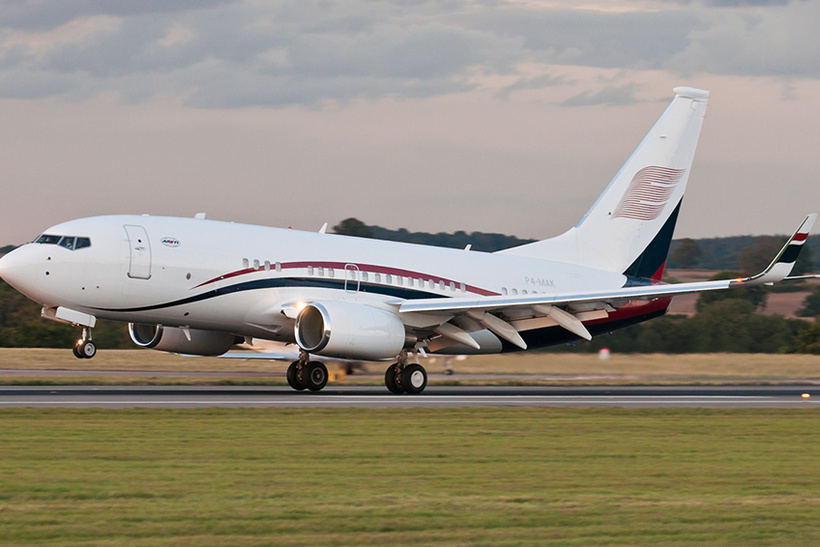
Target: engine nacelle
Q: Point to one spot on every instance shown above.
(174, 340)
(349, 331)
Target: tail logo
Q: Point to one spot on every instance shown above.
(648, 193)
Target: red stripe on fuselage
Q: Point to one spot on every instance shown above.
(369, 268)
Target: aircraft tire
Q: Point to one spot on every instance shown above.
(76, 349)
(390, 379)
(87, 349)
(414, 379)
(293, 377)
(315, 375)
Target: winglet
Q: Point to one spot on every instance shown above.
(782, 265)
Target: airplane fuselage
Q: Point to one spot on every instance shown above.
(244, 279)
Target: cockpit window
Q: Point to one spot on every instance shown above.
(71, 243)
(48, 239)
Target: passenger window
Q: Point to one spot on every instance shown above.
(246, 263)
(377, 278)
(278, 266)
(515, 291)
(267, 265)
(462, 287)
(504, 291)
(452, 285)
(441, 285)
(255, 264)
(364, 276)
(321, 271)
(330, 272)
(310, 270)
(388, 279)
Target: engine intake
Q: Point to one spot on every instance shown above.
(174, 340)
(349, 330)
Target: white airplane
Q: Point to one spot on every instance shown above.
(196, 286)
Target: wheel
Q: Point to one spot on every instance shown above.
(76, 349)
(315, 375)
(390, 379)
(87, 349)
(293, 377)
(414, 379)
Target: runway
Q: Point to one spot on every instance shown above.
(433, 397)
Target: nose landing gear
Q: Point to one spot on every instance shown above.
(84, 348)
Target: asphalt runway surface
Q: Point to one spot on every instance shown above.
(792, 396)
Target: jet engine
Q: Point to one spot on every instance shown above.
(350, 331)
(175, 340)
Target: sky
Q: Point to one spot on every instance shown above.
(506, 116)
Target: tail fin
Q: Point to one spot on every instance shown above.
(629, 227)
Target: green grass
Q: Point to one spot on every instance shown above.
(402, 476)
(621, 369)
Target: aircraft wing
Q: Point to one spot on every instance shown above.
(563, 308)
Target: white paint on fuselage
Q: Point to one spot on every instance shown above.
(197, 253)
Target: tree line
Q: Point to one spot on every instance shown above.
(726, 321)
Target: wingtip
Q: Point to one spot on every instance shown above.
(781, 267)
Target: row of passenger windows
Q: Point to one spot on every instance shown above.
(364, 277)
(71, 243)
(514, 292)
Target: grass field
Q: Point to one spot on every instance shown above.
(450, 477)
(565, 368)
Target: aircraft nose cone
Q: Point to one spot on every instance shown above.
(10, 267)
(16, 270)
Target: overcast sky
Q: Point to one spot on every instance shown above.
(499, 116)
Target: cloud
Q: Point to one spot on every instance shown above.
(228, 54)
(49, 14)
(611, 96)
(774, 41)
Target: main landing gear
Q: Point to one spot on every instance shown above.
(304, 374)
(84, 348)
(405, 378)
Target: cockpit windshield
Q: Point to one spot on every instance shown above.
(71, 243)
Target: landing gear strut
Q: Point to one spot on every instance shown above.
(306, 374)
(401, 377)
(84, 348)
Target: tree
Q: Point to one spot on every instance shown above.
(805, 262)
(811, 305)
(353, 227)
(808, 340)
(687, 254)
(754, 295)
(754, 258)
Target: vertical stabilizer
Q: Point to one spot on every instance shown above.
(629, 227)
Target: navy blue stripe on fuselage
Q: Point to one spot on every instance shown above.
(405, 293)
